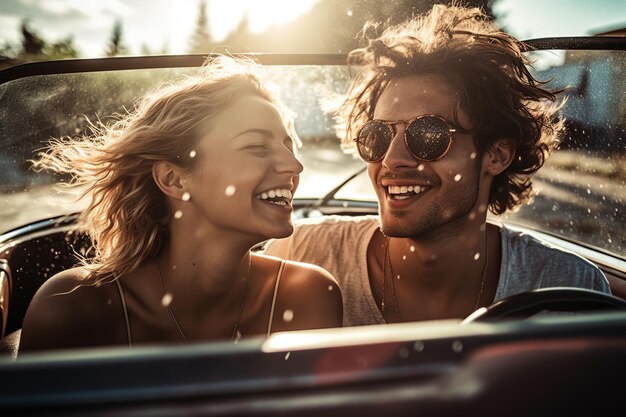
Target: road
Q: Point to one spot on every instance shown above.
(571, 203)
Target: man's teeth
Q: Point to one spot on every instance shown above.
(283, 193)
(404, 189)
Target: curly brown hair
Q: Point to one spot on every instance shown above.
(488, 69)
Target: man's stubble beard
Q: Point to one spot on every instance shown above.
(435, 223)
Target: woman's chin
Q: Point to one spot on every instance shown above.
(282, 232)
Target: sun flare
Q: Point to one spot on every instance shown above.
(261, 14)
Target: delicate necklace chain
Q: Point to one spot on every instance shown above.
(482, 281)
(241, 305)
(387, 261)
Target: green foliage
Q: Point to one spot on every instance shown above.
(333, 26)
(201, 42)
(61, 49)
(33, 47)
(116, 47)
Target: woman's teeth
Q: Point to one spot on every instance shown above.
(279, 196)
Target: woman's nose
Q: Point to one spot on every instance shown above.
(288, 162)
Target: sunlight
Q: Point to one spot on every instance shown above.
(225, 16)
(275, 12)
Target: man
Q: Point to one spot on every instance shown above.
(451, 124)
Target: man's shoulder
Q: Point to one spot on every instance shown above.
(547, 265)
(528, 246)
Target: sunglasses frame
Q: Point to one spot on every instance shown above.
(391, 125)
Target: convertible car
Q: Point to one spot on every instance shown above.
(502, 360)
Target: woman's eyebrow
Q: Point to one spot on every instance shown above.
(264, 132)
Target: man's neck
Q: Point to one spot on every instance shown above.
(437, 278)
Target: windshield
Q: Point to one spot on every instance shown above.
(581, 189)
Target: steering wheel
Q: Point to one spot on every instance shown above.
(524, 305)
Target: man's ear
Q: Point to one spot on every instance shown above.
(169, 178)
(499, 156)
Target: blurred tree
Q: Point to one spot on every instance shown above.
(32, 43)
(116, 47)
(333, 26)
(240, 37)
(145, 49)
(33, 47)
(62, 49)
(8, 54)
(201, 39)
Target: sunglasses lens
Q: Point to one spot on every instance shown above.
(428, 138)
(373, 141)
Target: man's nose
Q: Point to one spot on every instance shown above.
(398, 155)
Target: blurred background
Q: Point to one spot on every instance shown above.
(33, 30)
(581, 189)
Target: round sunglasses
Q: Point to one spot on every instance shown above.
(428, 137)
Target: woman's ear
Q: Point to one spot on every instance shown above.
(169, 178)
(499, 156)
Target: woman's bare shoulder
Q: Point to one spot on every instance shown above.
(303, 271)
(309, 297)
(70, 310)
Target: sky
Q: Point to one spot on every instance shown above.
(169, 23)
(540, 18)
(155, 23)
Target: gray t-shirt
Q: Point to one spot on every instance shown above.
(339, 245)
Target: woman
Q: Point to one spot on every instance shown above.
(181, 189)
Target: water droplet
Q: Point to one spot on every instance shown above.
(109, 301)
(192, 154)
(287, 355)
(473, 155)
(420, 167)
(288, 315)
(412, 248)
(349, 13)
(178, 214)
(457, 177)
(404, 257)
(186, 196)
(230, 190)
(237, 336)
(330, 288)
(457, 346)
(476, 256)
(588, 191)
(403, 353)
(396, 99)
(482, 208)
(398, 276)
(472, 215)
(418, 346)
(166, 300)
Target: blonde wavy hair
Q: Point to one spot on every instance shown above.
(128, 216)
(489, 71)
